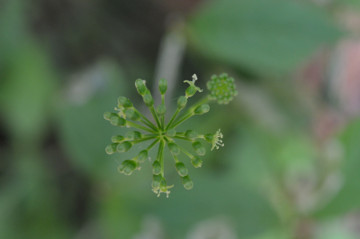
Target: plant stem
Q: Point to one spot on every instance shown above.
(135, 125)
(160, 156)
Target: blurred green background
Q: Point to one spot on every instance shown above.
(291, 162)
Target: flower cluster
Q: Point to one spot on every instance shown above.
(164, 134)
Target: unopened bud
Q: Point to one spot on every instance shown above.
(174, 149)
(127, 167)
(148, 99)
(182, 101)
(117, 120)
(162, 86)
(132, 114)
(196, 162)
(156, 167)
(124, 102)
(142, 156)
(141, 86)
(161, 109)
(123, 147)
(110, 149)
(133, 135)
(181, 169)
(202, 109)
(187, 182)
(199, 148)
(117, 138)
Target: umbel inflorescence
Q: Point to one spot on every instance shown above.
(164, 134)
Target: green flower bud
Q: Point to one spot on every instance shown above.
(202, 109)
(196, 162)
(128, 167)
(171, 133)
(162, 86)
(161, 109)
(191, 134)
(148, 99)
(222, 88)
(117, 138)
(107, 115)
(181, 169)
(141, 86)
(133, 135)
(174, 149)
(156, 182)
(124, 102)
(187, 182)
(182, 101)
(156, 167)
(199, 148)
(142, 156)
(132, 114)
(124, 147)
(117, 120)
(163, 186)
(110, 149)
(192, 89)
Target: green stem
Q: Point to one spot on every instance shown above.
(189, 113)
(160, 156)
(152, 144)
(153, 112)
(162, 118)
(183, 138)
(135, 125)
(146, 121)
(142, 140)
(182, 119)
(186, 152)
(172, 118)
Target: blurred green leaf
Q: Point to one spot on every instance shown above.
(83, 130)
(348, 197)
(265, 36)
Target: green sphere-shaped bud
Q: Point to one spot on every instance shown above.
(133, 135)
(117, 138)
(187, 182)
(124, 147)
(174, 148)
(156, 182)
(182, 101)
(141, 86)
(171, 133)
(107, 115)
(127, 167)
(222, 88)
(110, 149)
(196, 162)
(148, 99)
(191, 134)
(162, 86)
(124, 102)
(161, 109)
(132, 114)
(181, 169)
(117, 120)
(142, 156)
(156, 167)
(202, 109)
(199, 148)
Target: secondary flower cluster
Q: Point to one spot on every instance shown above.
(164, 134)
